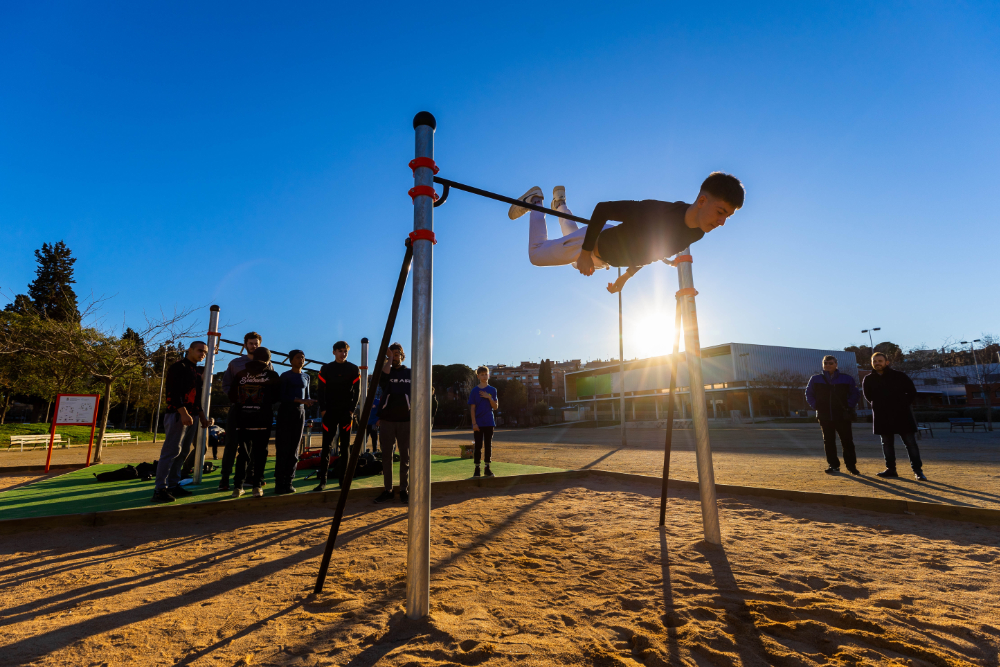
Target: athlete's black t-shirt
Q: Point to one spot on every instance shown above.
(650, 231)
(339, 387)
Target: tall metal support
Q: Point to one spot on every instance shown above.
(621, 360)
(699, 411)
(206, 392)
(418, 569)
(159, 400)
(670, 412)
(364, 374)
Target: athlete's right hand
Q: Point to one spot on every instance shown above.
(475, 427)
(585, 263)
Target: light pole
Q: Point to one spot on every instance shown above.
(869, 332)
(159, 400)
(979, 381)
(746, 365)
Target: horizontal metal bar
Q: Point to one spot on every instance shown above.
(509, 200)
(284, 354)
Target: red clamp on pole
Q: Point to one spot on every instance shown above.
(214, 333)
(687, 291)
(683, 258)
(427, 190)
(415, 163)
(423, 235)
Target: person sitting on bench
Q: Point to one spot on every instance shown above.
(650, 230)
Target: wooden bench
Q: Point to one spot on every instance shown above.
(921, 428)
(35, 440)
(962, 422)
(110, 438)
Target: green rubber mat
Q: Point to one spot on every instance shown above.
(79, 492)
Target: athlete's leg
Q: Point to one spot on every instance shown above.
(559, 204)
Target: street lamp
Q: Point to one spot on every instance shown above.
(746, 365)
(869, 332)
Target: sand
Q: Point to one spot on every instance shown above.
(576, 574)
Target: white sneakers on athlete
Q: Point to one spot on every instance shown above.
(516, 211)
(558, 197)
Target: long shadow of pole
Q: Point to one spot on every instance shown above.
(359, 439)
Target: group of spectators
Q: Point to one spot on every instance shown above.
(254, 388)
(834, 396)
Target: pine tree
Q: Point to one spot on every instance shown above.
(21, 305)
(51, 291)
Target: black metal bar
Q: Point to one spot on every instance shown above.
(273, 352)
(508, 200)
(670, 415)
(444, 196)
(359, 439)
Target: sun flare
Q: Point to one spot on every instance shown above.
(649, 336)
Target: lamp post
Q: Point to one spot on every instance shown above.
(979, 381)
(869, 332)
(746, 365)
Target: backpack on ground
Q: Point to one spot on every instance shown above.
(146, 471)
(120, 475)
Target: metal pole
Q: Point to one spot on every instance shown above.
(670, 412)
(418, 567)
(206, 392)
(364, 385)
(159, 400)
(621, 360)
(699, 412)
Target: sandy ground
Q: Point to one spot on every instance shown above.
(574, 574)
(963, 468)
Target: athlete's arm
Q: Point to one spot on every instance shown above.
(617, 285)
(604, 211)
(472, 409)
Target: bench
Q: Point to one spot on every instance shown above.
(119, 437)
(962, 422)
(924, 427)
(34, 440)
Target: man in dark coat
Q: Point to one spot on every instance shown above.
(891, 393)
(834, 395)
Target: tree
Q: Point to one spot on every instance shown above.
(457, 377)
(782, 382)
(51, 291)
(545, 375)
(511, 395)
(21, 305)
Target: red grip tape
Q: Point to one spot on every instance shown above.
(683, 258)
(415, 163)
(418, 190)
(423, 235)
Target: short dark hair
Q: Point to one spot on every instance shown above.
(481, 369)
(197, 342)
(252, 334)
(262, 354)
(294, 353)
(881, 354)
(726, 187)
(829, 357)
(397, 346)
(341, 345)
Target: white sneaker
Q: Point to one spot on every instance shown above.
(258, 492)
(516, 211)
(558, 197)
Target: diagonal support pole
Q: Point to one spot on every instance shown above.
(670, 413)
(359, 439)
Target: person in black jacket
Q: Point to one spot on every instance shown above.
(254, 391)
(891, 394)
(394, 421)
(339, 389)
(834, 395)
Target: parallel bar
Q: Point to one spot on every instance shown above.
(668, 444)
(273, 352)
(508, 200)
(699, 412)
(418, 564)
(352, 461)
(201, 443)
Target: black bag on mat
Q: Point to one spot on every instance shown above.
(120, 475)
(146, 471)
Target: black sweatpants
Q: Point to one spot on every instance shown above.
(484, 436)
(236, 450)
(291, 423)
(335, 427)
(830, 431)
(256, 441)
(373, 434)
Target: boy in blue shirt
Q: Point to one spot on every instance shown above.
(483, 399)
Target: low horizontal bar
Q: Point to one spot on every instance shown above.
(284, 354)
(509, 200)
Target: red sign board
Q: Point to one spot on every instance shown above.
(74, 410)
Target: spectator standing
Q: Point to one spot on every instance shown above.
(394, 421)
(233, 447)
(483, 401)
(295, 398)
(891, 394)
(183, 393)
(254, 391)
(834, 396)
(373, 417)
(216, 438)
(339, 389)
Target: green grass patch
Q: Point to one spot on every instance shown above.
(78, 492)
(80, 435)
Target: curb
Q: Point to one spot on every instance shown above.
(188, 511)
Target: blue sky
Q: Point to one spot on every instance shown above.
(255, 157)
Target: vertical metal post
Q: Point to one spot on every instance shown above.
(206, 393)
(159, 400)
(699, 411)
(621, 361)
(418, 570)
(364, 388)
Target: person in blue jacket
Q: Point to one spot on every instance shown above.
(834, 396)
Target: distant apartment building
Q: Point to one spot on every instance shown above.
(957, 385)
(527, 374)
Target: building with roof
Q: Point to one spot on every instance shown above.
(771, 377)
(956, 385)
